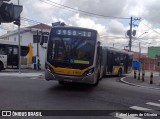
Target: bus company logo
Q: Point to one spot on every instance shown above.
(6, 113)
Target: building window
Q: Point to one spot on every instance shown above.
(158, 64)
(14, 38)
(35, 38)
(45, 39)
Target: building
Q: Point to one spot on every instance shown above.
(31, 36)
(147, 63)
(154, 52)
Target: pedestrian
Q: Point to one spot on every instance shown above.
(38, 64)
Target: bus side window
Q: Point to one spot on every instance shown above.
(2, 50)
(10, 51)
(15, 50)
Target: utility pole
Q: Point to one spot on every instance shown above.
(130, 36)
(37, 50)
(37, 43)
(130, 32)
(139, 51)
(19, 45)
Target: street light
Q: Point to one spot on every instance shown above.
(140, 36)
(140, 44)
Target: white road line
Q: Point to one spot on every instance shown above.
(153, 104)
(139, 108)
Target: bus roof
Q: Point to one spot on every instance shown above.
(117, 50)
(73, 27)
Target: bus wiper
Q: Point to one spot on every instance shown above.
(64, 46)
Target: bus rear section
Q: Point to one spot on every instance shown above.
(9, 54)
(115, 61)
(73, 55)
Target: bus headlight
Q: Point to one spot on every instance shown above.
(89, 72)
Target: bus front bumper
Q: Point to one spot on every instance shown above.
(90, 79)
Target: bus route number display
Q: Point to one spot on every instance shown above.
(74, 33)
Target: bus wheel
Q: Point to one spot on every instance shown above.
(120, 73)
(1, 66)
(97, 81)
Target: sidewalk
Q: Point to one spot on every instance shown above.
(22, 70)
(156, 80)
(22, 73)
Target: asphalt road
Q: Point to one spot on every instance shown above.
(17, 93)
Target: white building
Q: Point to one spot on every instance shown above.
(28, 36)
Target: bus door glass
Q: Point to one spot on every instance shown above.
(12, 56)
(110, 62)
(125, 63)
(2, 49)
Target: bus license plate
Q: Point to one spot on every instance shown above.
(67, 80)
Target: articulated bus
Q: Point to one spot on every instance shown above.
(115, 61)
(74, 55)
(9, 54)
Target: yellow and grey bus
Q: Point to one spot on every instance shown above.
(115, 61)
(73, 55)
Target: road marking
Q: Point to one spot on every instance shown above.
(139, 108)
(153, 104)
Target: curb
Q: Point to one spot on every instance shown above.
(22, 74)
(122, 80)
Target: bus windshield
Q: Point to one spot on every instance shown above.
(76, 52)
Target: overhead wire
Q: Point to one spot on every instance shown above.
(81, 11)
(151, 28)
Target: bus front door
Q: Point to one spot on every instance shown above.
(12, 59)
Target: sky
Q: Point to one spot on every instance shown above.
(112, 29)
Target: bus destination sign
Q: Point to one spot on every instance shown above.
(69, 32)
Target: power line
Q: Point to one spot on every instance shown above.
(112, 37)
(151, 28)
(81, 11)
(30, 20)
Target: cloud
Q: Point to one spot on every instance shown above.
(87, 23)
(116, 27)
(103, 7)
(152, 12)
(147, 10)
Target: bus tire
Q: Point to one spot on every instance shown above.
(120, 73)
(1, 66)
(97, 80)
